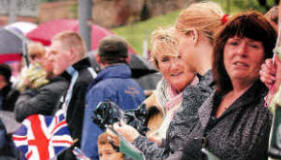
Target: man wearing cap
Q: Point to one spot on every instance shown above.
(113, 83)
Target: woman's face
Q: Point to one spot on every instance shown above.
(175, 70)
(243, 58)
(187, 49)
(36, 58)
(47, 63)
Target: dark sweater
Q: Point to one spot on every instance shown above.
(240, 133)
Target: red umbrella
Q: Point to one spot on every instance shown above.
(45, 32)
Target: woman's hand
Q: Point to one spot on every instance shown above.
(268, 73)
(129, 132)
(278, 74)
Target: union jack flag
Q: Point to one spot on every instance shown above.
(43, 137)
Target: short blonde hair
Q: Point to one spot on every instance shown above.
(205, 17)
(71, 39)
(163, 42)
(36, 48)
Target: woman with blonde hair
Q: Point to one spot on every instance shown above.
(167, 97)
(195, 29)
(36, 52)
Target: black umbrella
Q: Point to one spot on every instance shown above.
(139, 66)
(142, 71)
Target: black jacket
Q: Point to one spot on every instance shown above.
(240, 133)
(75, 110)
(10, 96)
(41, 100)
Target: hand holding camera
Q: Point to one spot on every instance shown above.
(107, 113)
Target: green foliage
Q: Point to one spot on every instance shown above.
(135, 33)
(49, 0)
(243, 5)
(73, 9)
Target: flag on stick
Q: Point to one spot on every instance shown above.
(42, 137)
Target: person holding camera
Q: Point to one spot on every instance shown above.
(114, 83)
(177, 74)
(232, 123)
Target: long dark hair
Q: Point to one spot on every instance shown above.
(250, 24)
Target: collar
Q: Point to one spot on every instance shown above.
(113, 71)
(71, 70)
(254, 93)
(82, 64)
(64, 75)
(207, 78)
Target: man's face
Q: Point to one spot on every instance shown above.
(59, 56)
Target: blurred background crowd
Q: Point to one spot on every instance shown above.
(187, 75)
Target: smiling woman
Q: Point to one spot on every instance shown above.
(193, 44)
(167, 98)
(169, 61)
(177, 74)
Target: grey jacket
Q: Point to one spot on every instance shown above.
(193, 98)
(240, 133)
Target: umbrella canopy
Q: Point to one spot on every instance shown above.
(142, 71)
(46, 31)
(139, 66)
(23, 27)
(11, 45)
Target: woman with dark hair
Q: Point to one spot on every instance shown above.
(233, 122)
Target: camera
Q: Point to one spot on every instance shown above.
(107, 113)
